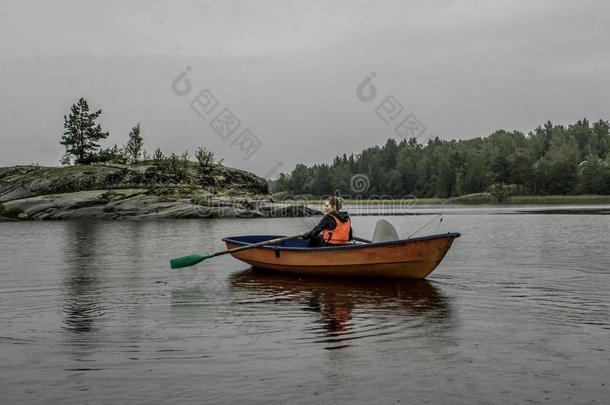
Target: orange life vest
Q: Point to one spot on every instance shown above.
(339, 235)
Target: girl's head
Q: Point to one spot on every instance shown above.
(332, 204)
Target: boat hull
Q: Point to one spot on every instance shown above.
(410, 258)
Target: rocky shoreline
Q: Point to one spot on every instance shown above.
(135, 192)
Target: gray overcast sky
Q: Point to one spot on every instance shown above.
(289, 70)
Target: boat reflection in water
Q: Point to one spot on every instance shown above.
(349, 309)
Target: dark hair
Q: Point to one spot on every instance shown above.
(336, 202)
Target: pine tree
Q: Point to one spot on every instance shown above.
(133, 149)
(82, 133)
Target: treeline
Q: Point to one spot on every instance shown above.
(82, 134)
(552, 159)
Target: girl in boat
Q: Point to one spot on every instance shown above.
(335, 226)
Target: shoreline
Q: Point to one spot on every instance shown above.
(140, 204)
(241, 208)
(467, 200)
(117, 192)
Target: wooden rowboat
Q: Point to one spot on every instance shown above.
(405, 258)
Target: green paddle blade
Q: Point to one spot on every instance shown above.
(186, 261)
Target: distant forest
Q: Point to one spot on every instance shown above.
(551, 160)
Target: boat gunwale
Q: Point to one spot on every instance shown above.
(342, 247)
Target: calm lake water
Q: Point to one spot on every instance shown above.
(516, 313)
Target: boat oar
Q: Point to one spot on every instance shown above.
(192, 260)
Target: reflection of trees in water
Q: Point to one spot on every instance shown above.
(395, 303)
(87, 245)
(82, 305)
(134, 232)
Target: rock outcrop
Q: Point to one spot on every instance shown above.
(124, 191)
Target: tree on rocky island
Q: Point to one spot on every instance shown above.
(133, 149)
(82, 134)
